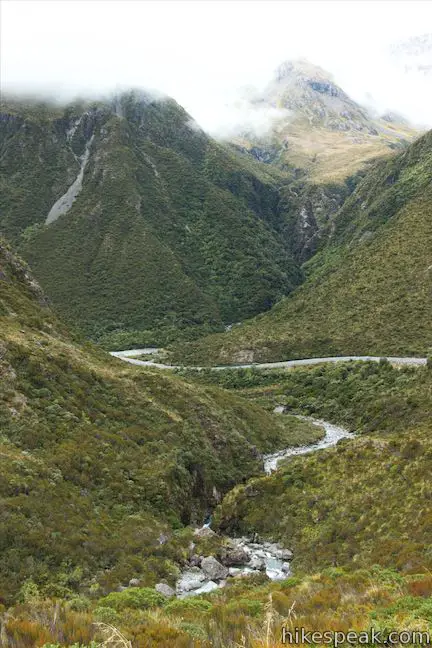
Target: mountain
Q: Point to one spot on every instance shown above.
(367, 292)
(98, 459)
(356, 516)
(321, 132)
(134, 220)
(141, 228)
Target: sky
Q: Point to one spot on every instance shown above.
(205, 53)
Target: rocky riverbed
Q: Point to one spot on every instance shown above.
(243, 557)
(236, 558)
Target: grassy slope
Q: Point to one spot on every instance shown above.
(98, 458)
(249, 614)
(369, 292)
(170, 229)
(327, 156)
(367, 501)
(360, 514)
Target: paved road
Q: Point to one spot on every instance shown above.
(126, 356)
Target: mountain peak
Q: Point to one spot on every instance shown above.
(321, 128)
(301, 75)
(298, 68)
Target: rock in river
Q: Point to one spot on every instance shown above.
(213, 569)
(234, 556)
(190, 580)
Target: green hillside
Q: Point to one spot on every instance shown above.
(169, 230)
(99, 458)
(356, 516)
(364, 502)
(367, 292)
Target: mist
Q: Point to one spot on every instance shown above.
(204, 54)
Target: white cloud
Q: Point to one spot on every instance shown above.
(202, 52)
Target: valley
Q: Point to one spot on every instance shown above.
(215, 365)
(367, 293)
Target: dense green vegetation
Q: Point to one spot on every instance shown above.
(173, 234)
(171, 230)
(369, 292)
(98, 459)
(105, 467)
(250, 614)
(368, 500)
(361, 396)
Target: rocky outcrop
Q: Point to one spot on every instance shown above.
(12, 269)
(310, 210)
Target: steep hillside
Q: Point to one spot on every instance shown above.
(321, 131)
(356, 516)
(99, 459)
(325, 140)
(368, 292)
(133, 219)
(350, 506)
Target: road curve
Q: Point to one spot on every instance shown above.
(126, 356)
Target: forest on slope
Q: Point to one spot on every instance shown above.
(368, 291)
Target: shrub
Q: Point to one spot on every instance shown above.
(182, 606)
(134, 597)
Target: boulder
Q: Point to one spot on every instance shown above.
(262, 554)
(213, 569)
(190, 580)
(284, 554)
(234, 556)
(134, 582)
(256, 563)
(195, 560)
(286, 568)
(164, 589)
(204, 532)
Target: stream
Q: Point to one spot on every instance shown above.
(333, 434)
(247, 556)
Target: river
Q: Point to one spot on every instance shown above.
(258, 556)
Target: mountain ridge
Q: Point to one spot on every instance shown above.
(153, 181)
